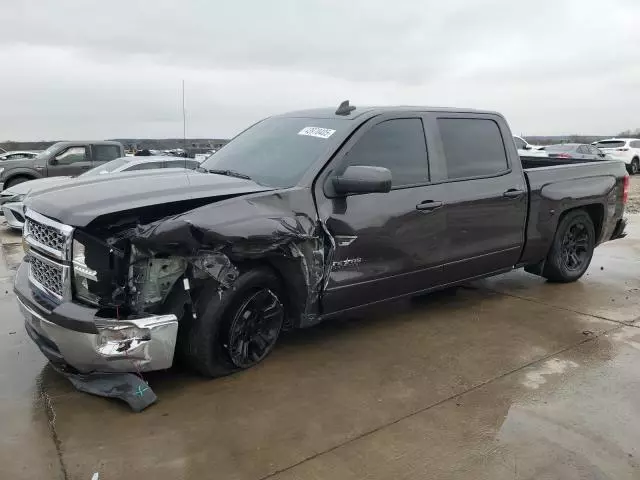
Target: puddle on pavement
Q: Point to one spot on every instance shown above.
(13, 254)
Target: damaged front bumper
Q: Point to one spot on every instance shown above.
(73, 335)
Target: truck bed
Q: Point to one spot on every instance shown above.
(529, 162)
(558, 188)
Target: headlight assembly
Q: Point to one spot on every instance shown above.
(83, 276)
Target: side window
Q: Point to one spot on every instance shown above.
(105, 153)
(17, 156)
(635, 144)
(593, 150)
(398, 145)
(144, 166)
(72, 155)
(519, 143)
(473, 147)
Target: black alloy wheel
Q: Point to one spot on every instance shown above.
(575, 247)
(255, 328)
(572, 248)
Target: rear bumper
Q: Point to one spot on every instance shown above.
(14, 214)
(72, 335)
(619, 230)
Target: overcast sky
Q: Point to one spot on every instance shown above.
(102, 69)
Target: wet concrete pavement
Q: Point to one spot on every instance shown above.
(509, 377)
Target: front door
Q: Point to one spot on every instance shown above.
(486, 197)
(71, 161)
(387, 244)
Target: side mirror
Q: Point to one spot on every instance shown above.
(358, 179)
(528, 147)
(53, 161)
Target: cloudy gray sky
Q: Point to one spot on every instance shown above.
(103, 69)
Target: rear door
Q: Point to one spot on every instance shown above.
(103, 153)
(386, 244)
(72, 160)
(485, 195)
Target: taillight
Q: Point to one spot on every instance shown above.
(563, 155)
(623, 149)
(626, 185)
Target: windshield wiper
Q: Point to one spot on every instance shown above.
(228, 173)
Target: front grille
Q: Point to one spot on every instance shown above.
(48, 275)
(46, 235)
(48, 242)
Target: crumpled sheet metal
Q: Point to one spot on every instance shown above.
(215, 238)
(124, 386)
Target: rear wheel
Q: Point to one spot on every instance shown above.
(634, 168)
(237, 328)
(572, 248)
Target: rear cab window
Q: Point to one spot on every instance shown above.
(105, 153)
(473, 147)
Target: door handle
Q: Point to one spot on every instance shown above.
(513, 193)
(428, 205)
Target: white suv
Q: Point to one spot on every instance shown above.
(625, 149)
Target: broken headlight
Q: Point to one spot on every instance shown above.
(83, 276)
(152, 278)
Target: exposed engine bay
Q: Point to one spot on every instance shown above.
(139, 264)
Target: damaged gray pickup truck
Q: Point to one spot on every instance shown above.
(299, 218)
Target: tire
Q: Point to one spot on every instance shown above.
(15, 181)
(231, 331)
(634, 167)
(572, 248)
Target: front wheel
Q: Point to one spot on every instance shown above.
(15, 181)
(572, 248)
(237, 328)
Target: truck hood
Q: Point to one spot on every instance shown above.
(78, 202)
(33, 186)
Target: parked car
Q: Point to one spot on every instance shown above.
(60, 159)
(11, 199)
(525, 148)
(301, 217)
(625, 149)
(17, 154)
(579, 151)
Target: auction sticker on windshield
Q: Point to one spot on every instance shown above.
(317, 132)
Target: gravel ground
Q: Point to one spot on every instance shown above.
(634, 196)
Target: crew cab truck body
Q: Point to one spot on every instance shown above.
(343, 209)
(60, 159)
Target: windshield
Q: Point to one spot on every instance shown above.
(277, 151)
(611, 144)
(46, 153)
(108, 167)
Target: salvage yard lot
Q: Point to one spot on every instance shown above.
(509, 377)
